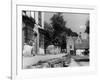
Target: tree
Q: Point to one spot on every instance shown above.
(49, 29)
(87, 27)
(69, 32)
(49, 33)
(74, 34)
(60, 29)
(58, 24)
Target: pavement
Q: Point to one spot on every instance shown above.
(81, 63)
(78, 57)
(31, 60)
(75, 60)
(73, 63)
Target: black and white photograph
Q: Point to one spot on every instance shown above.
(55, 39)
(50, 40)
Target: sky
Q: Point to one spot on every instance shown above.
(75, 21)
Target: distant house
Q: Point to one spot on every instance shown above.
(83, 45)
(77, 43)
(70, 44)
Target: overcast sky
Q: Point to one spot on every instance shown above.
(74, 21)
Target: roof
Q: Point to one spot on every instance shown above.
(83, 45)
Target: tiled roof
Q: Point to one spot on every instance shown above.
(83, 45)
